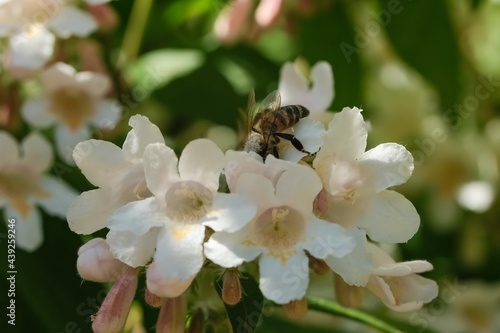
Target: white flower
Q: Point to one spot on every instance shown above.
(27, 23)
(357, 182)
(23, 185)
(294, 88)
(119, 174)
(171, 224)
(397, 284)
(73, 101)
(283, 229)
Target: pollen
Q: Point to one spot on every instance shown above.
(279, 229)
(188, 201)
(73, 106)
(351, 196)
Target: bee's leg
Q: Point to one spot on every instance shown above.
(295, 142)
(276, 152)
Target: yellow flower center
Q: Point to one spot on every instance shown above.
(17, 187)
(278, 229)
(73, 106)
(188, 201)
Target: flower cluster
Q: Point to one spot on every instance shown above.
(326, 209)
(35, 59)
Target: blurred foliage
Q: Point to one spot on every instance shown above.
(186, 81)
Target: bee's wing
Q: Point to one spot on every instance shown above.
(272, 102)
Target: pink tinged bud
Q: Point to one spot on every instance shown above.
(317, 265)
(347, 295)
(153, 300)
(320, 204)
(296, 309)
(172, 316)
(95, 262)
(268, 12)
(105, 15)
(163, 287)
(232, 22)
(112, 314)
(231, 287)
(91, 56)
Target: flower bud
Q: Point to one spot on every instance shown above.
(105, 15)
(153, 300)
(347, 295)
(113, 312)
(95, 262)
(231, 287)
(317, 265)
(296, 309)
(172, 316)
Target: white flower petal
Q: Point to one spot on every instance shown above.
(95, 84)
(108, 113)
(101, 162)
(356, 267)
(345, 138)
(89, 212)
(289, 153)
(9, 149)
(35, 112)
(388, 164)
(29, 230)
(403, 268)
(57, 76)
(294, 90)
(163, 287)
(228, 249)
(143, 133)
(258, 189)
(134, 250)
(67, 140)
(327, 239)
(138, 217)
(322, 92)
(292, 86)
(160, 168)
(282, 282)
(202, 161)
(310, 133)
(230, 212)
(390, 218)
(31, 50)
(297, 187)
(179, 251)
(37, 153)
(72, 21)
(61, 196)
(403, 294)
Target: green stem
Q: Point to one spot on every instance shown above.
(135, 30)
(326, 306)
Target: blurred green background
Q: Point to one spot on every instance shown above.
(413, 66)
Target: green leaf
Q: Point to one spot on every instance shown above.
(246, 315)
(156, 69)
(422, 33)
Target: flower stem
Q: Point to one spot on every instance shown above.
(134, 31)
(326, 306)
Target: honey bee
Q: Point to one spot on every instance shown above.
(267, 121)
